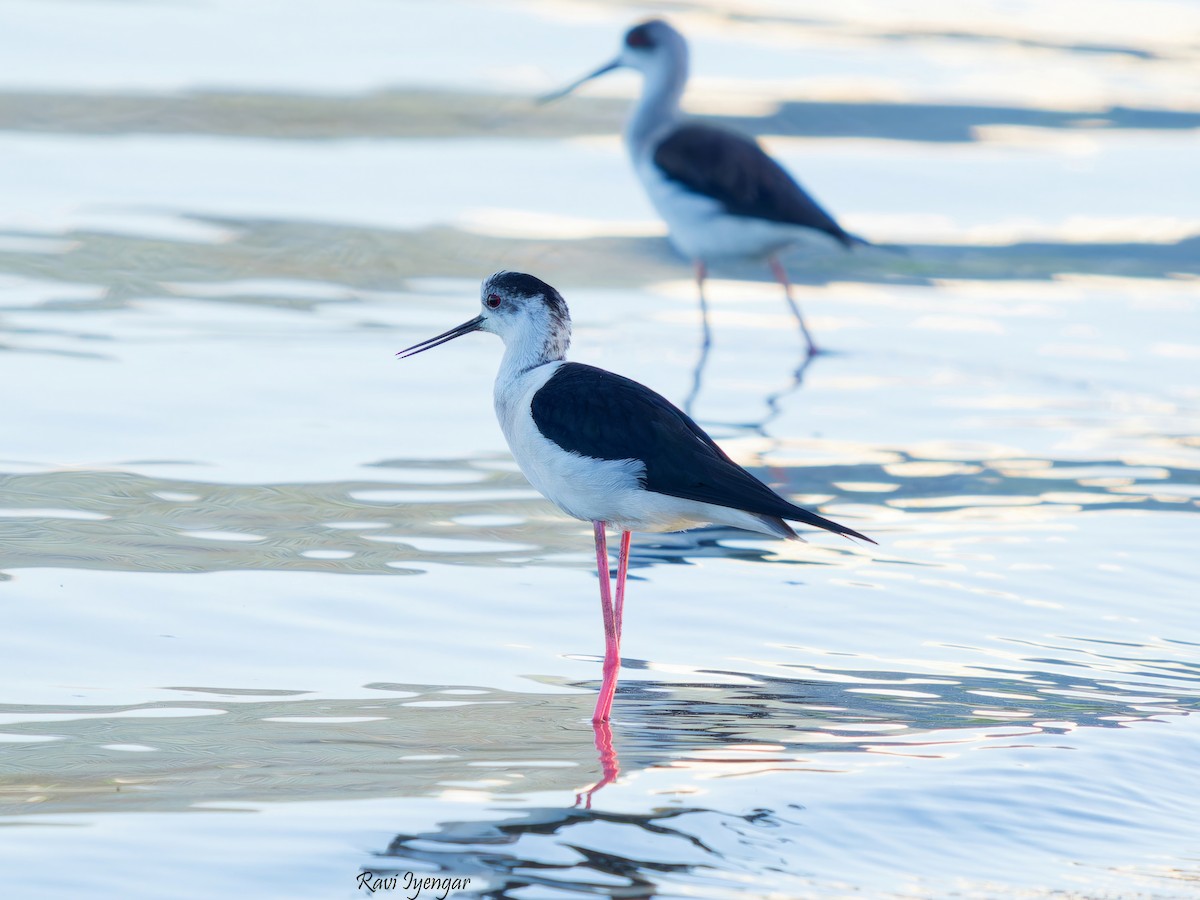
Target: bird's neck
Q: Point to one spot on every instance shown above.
(528, 349)
(659, 103)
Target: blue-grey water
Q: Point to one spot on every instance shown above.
(280, 616)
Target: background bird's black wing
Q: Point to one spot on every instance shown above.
(734, 170)
(601, 415)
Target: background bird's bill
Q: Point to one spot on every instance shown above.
(555, 95)
(457, 331)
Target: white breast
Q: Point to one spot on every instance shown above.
(585, 488)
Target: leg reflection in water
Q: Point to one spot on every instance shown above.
(610, 765)
(771, 400)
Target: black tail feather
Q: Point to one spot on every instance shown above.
(808, 518)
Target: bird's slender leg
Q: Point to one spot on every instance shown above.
(612, 640)
(782, 278)
(622, 571)
(701, 274)
(612, 623)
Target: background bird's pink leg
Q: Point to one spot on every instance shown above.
(612, 643)
(782, 278)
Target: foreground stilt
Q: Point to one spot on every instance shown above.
(567, 423)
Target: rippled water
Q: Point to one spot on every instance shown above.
(280, 611)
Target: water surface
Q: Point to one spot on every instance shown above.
(280, 611)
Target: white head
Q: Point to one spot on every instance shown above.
(529, 315)
(654, 48)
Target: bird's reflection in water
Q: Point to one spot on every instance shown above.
(835, 722)
(507, 857)
(771, 400)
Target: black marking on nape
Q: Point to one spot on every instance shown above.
(639, 36)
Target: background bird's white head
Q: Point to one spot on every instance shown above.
(654, 48)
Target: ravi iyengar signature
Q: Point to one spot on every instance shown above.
(412, 884)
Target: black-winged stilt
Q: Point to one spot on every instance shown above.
(721, 195)
(608, 450)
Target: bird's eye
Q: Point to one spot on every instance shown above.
(638, 37)
(493, 301)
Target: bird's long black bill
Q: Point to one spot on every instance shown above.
(559, 94)
(457, 331)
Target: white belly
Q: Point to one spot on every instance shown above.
(701, 229)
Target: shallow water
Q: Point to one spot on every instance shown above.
(280, 611)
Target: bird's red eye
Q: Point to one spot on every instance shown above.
(638, 37)
(493, 300)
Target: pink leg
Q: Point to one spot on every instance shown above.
(612, 641)
(622, 571)
(610, 765)
(781, 277)
(701, 274)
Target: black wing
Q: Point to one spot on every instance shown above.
(601, 415)
(734, 170)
